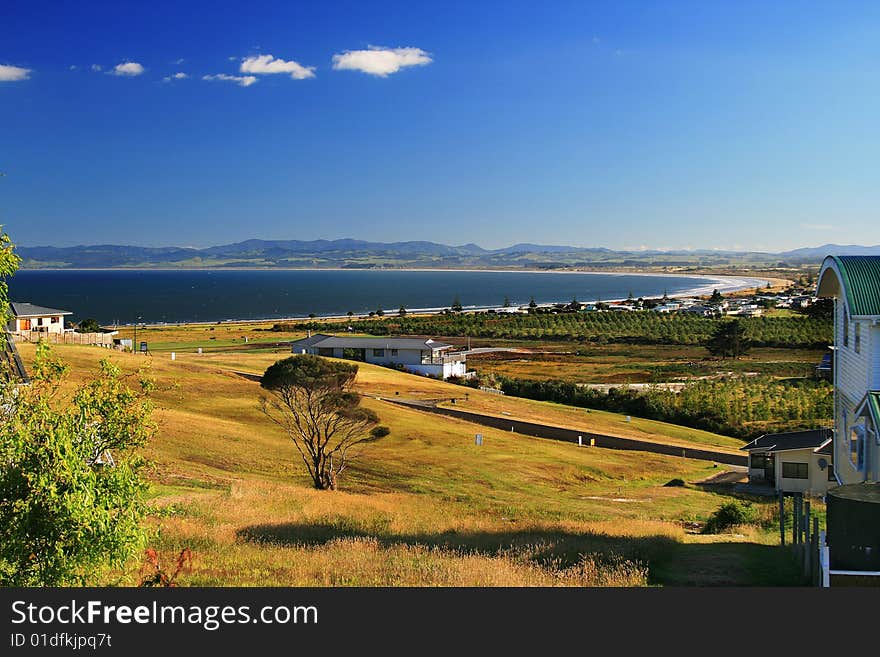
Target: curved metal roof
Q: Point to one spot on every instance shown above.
(860, 280)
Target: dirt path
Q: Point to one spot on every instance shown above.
(572, 435)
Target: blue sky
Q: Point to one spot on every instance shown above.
(618, 124)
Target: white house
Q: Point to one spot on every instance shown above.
(416, 355)
(27, 317)
(854, 283)
(793, 462)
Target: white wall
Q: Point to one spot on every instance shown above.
(874, 350)
(853, 377)
(39, 324)
(816, 484)
(404, 356)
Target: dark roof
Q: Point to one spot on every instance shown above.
(779, 442)
(21, 309)
(331, 341)
(308, 342)
(861, 282)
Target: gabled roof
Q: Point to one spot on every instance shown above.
(813, 439)
(331, 341)
(23, 309)
(871, 403)
(859, 276)
(309, 341)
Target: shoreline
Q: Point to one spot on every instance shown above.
(725, 284)
(388, 270)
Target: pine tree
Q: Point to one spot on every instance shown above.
(728, 340)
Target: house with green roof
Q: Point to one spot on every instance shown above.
(854, 284)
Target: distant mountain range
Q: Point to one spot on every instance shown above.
(360, 254)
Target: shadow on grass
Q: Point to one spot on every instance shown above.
(669, 562)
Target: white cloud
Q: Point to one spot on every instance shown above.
(127, 69)
(176, 76)
(13, 73)
(180, 61)
(380, 61)
(96, 67)
(266, 64)
(243, 81)
(73, 67)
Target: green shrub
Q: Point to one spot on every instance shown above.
(730, 514)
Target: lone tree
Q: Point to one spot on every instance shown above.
(456, 305)
(728, 340)
(312, 401)
(379, 311)
(716, 297)
(401, 312)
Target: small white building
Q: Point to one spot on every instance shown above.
(416, 355)
(793, 462)
(27, 318)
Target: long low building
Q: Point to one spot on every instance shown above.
(416, 355)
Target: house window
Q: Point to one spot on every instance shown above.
(394, 352)
(857, 445)
(55, 320)
(857, 336)
(759, 460)
(795, 470)
(845, 327)
(379, 353)
(831, 476)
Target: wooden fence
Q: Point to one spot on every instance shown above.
(68, 337)
(810, 546)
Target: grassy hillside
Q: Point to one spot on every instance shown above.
(424, 506)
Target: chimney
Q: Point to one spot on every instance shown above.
(309, 333)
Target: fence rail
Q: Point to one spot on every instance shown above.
(811, 547)
(68, 337)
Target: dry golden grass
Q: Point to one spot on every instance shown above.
(424, 506)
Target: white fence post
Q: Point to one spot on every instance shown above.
(824, 562)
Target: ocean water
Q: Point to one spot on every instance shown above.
(155, 296)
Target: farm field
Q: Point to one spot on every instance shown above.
(424, 506)
(618, 363)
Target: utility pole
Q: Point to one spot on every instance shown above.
(134, 342)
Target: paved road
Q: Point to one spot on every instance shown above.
(571, 435)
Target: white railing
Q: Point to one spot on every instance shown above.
(825, 570)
